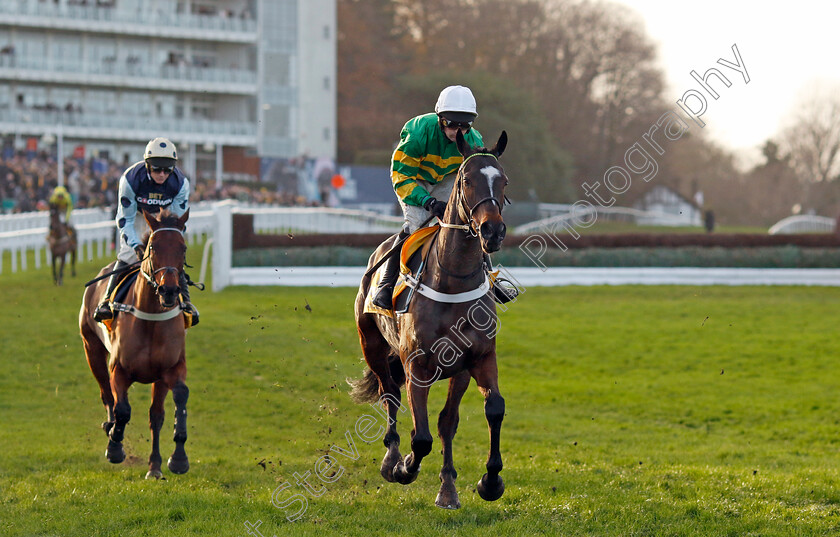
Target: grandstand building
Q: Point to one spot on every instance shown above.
(232, 82)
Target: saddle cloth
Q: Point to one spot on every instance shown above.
(121, 292)
(418, 243)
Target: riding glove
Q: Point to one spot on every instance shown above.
(436, 207)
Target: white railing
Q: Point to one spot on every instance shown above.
(803, 224)
(309, 220)
(23, 233)
(27, 232)
(621, 214)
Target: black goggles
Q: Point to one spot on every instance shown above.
(168, 169)
(455, 124)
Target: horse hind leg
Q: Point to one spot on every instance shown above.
(417, 390)
(97, 358)
(178, 462)
(156, 418)
(379, 381)
(447, 497)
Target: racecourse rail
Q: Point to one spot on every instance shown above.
(213, 221)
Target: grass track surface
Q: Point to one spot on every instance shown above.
(630, 411)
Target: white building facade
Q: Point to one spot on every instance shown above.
(224, 79)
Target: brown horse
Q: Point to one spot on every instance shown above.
(62, 241)
(145, 343)
(447, 331)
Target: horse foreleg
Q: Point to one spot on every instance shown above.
(417, 390)
(157, 415)
(73, 261)
(61, 270)
(490, 486)
(122, 415)
(178, 462)
(447, 497)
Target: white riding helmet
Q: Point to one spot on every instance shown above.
(457, 104)
(161, 153)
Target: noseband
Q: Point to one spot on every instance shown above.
(151, 277)
(464, 211)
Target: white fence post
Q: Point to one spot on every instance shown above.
(222, 245)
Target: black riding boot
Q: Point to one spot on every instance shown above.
(385, 290)
(502, 293)
(186, 305)
(103, 310)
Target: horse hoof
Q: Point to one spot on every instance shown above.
(402, 477)
(387, 473)
(490, 489)
(447, 503)
(115, 453)
(178, 466)
(154, 474)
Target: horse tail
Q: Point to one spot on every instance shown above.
(366, 389)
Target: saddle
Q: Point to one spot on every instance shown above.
(412, 255)
(121, 292)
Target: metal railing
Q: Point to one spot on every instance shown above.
(161, 75)
(48, 119)
(803, 224)
(141, 20)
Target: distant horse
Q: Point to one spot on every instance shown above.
(145, 343)
(448, 330)
(61, 240)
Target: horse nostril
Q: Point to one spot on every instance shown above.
(490, 230)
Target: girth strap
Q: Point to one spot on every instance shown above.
(448, 298)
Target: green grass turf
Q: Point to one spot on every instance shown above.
(630, 411)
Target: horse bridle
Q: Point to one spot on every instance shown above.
(151, 277)
(464, 211)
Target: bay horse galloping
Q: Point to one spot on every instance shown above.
(62, 241)
(447, 331)
(145, 342)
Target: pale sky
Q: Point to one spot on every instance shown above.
(785, 48)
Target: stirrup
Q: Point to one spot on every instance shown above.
(103, 312)
(191, 311)
(504, 293)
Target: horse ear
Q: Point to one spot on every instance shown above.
(149, 220)
(463, 147)
(499, 148)
(183, 220)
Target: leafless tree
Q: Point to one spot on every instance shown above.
(812, 139)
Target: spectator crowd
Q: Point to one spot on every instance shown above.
(27, 180)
